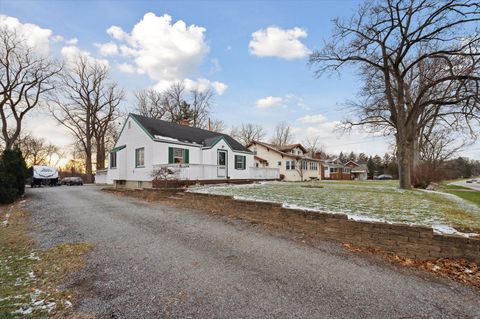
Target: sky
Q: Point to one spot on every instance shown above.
(253, 54)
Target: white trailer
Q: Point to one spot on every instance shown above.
(43, 175)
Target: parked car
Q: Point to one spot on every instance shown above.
(69, 181)
(472, 181)
(384, 177)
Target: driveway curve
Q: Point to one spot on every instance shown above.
(156, 261)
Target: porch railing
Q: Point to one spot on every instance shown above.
(210, 172)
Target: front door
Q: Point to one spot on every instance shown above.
(222, 164)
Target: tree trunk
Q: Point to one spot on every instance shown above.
(100, 153)
(405, 161)
(88, 167)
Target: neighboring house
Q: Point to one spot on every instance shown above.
(291, 160)
(146, 145)
(335, 170)
(357, 171)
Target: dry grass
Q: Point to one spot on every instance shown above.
(30, 278)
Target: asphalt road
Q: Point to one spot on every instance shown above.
(475, 186)
(155, 261)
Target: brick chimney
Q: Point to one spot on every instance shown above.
(185, 121)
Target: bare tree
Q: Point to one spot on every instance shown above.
(247, 133)
(87, 108)
(151, 103)
(439, 146)
(176, 104)
(216, 126)
(26, 79)
(104, 118)
(200, 103)
(419, 62)
(36, 151)
(283, 134)
(314, 146)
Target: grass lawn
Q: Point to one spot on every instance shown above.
(375, 200)
(29, 278)
(463, 192)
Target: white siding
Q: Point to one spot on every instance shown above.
(156, 152)
(273, 157)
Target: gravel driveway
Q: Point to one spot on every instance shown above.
(155, 261)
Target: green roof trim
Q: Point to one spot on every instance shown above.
(118, 148)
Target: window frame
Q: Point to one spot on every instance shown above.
(137, 157)
(242, 164)
(113, 159)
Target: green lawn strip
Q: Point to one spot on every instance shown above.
(29, 278)
(462, 192)
(381, 200)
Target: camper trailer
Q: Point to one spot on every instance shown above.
(43, 175)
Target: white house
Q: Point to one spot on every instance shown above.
(291, 160)
(146, 145)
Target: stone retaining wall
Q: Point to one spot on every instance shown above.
(417, 242)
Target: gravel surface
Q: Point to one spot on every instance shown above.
(155, 261)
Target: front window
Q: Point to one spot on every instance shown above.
(287, 165)
(240, 162)
(177, 155)
(140, 157)
(113, 160)
(279, 163)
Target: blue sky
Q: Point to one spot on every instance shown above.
(285, 84)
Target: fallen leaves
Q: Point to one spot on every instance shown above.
(460, 270)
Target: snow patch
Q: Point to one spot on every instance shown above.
(447, 230)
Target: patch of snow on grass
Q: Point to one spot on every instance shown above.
(447, 230)
(360, 201)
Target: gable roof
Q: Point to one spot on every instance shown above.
(183, 133)
(278, 150)
(289, 148)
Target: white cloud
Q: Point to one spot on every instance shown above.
(72, 41)
(35, 36)
(216, 67)
(313, 119)
(117, 33)
(201, 85)
(165, 50)
(127, 68)
(269, 101)
(107, 49)
(72, 53)
(278, 42)
(219, 87)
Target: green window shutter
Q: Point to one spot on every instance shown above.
(244, 162)
(170, 155)
(186, 156)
